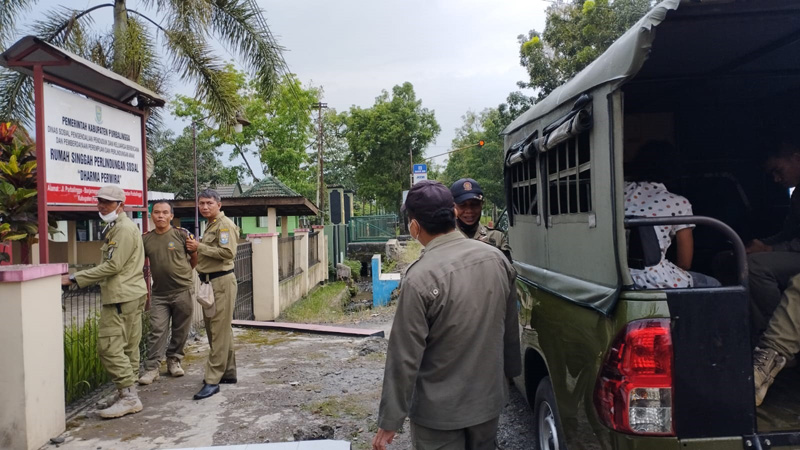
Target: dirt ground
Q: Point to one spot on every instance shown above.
(292, 386)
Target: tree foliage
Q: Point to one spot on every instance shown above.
(339, 168)
(575, 34)
(177, 32)
(380, 140)
(279, 133)
(174, 164)
(484, 164)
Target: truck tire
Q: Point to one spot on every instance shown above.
(549, 435)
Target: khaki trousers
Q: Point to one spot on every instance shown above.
(783, 331)
(178, 309)
(120, 330)
(769, 277)
(476, 437)
(221, 359)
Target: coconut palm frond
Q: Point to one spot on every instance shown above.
(187, 14)
(58, 25)
(193, 58)
(10, 11)
(16, 98)
(239, 24)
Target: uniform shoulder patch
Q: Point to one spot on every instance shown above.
(224, 237)
(186, 232)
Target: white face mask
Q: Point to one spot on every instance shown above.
(110, 217)
(412, 235)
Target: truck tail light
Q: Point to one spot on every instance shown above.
(634, 389)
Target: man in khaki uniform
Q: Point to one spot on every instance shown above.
(780, 341)
(172, 299)
(215, 254)
(124, 293)
(455, 336)
(468, 196)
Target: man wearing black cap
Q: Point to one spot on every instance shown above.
(468, 196)
(455, 335)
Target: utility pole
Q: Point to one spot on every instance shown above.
(411, 158)
(321, 182)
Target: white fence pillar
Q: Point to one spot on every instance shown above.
(266, 293)
(301, 258)
(32, 334)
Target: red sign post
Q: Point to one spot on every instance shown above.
(88, 133)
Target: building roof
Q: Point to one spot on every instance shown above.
(59, 63)
(267, 193)
(270, 187)
(228, 190)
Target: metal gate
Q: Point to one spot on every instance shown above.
(243, 269)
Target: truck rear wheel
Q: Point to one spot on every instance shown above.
(545, 416)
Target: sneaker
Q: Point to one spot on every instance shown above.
(766, 365)
(128, 403)
(174, 367)
(149, 376)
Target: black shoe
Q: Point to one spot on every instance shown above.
(207, 391)
(228, 380)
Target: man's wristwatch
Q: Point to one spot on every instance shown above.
(72, 279)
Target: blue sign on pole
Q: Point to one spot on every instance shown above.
(420, 172)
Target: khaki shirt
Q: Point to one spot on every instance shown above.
(120, 273)
(170, 266)
(454, 340)
(492, 237)
(217, 248)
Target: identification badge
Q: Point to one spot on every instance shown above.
(224, 237)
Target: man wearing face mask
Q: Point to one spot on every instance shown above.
(124, 294)
(468, 196)
(455, 335)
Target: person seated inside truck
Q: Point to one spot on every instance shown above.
(774, 260)
(780, 342)
(645, 195)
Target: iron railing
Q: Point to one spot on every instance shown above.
(313, 249)
(83, 371)
(285, 257)
(372, 228)
(243, 269)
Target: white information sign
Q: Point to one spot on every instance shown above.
(89, 145)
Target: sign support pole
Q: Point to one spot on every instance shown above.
(41, 165)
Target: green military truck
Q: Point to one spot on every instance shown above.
(608, 365)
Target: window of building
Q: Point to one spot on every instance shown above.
(569, 177)
(89, 230)
(262, 222)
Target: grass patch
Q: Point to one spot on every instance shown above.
(83, 371)
(131, 437)
(337, 407)
(324, 304)
(355, 268)
(376, 356)
(410, 252)
(262, 337)
(388, 265)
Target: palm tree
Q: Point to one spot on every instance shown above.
(181, 29)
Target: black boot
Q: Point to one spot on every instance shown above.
(207, 391)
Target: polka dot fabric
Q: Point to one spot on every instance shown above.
(648, 199)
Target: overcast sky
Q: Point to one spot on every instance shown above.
(460, 55)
